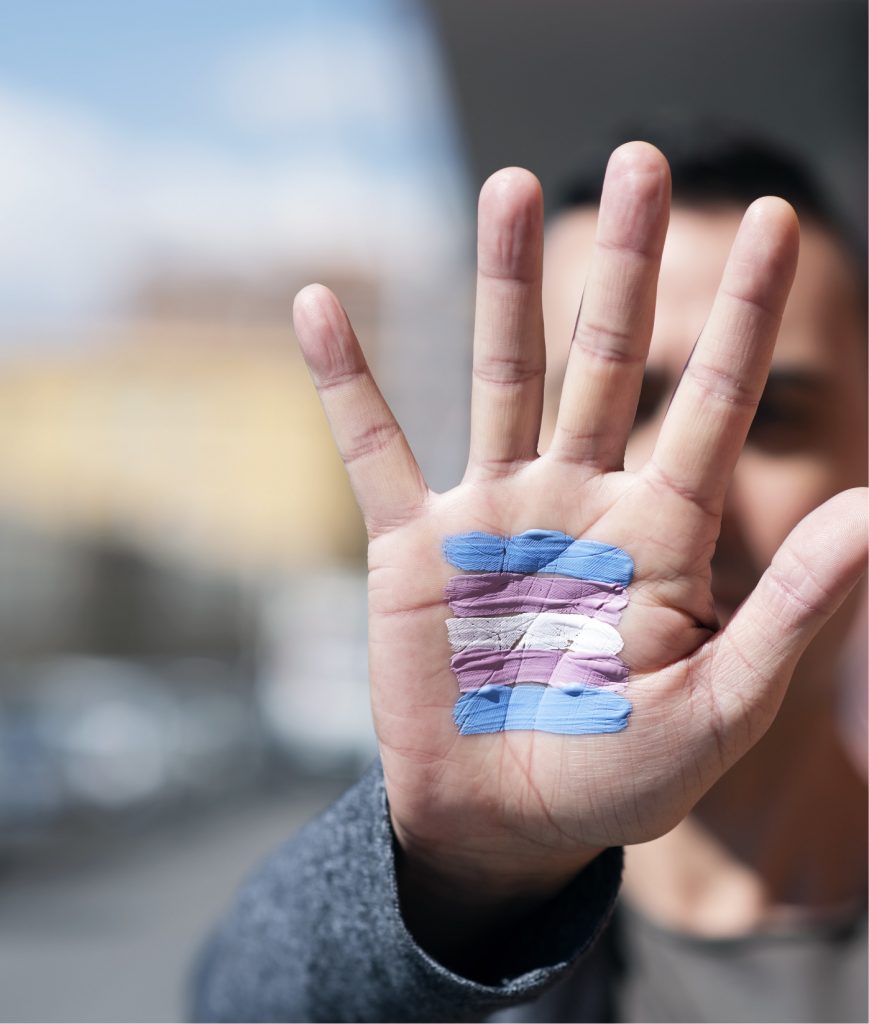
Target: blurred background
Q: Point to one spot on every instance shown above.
(182, 562)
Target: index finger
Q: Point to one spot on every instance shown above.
(509, 352)
(611, 339)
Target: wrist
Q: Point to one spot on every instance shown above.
(486, 876)
(457, 904)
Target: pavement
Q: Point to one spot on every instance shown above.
(105, 927)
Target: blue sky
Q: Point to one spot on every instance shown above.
(151, 65)
(185, 130)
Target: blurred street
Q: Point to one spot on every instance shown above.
(107, 930)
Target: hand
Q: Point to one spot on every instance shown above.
(512, 816)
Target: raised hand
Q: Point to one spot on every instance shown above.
(515, 814)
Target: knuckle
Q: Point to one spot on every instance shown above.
(612, 344)
(722, 385)
(371, 441)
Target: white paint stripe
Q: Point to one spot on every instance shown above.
(542, 631)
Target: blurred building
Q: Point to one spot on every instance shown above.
(167, 488)
(183, 562)
(198, 441)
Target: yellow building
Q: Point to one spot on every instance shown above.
(193, 440)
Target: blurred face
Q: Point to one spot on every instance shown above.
(808, 440)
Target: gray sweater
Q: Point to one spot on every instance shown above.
(316, 934)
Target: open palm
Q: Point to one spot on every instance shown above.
(532, 803)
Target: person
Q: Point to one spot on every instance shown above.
(469, 877)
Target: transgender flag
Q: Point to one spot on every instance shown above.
(533, 651)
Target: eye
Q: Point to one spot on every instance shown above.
(652, 395)
(786, 421)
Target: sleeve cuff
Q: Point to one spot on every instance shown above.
(549, 945)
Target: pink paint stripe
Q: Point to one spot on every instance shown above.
(479, 666)
(508, 593)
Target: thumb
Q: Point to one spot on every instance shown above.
(809, 578)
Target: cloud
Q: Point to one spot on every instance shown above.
(352, 77)
(87, 208)
(58, 212)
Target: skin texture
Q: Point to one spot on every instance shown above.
(489, 826)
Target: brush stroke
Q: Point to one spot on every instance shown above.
(496, 593)
(543, 631)
(478, 667)
(580, 711)
(539, 551)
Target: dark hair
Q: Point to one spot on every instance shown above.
(711, 163)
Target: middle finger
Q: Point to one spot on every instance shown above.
(611, 340)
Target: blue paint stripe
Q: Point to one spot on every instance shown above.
(581, 710)
(540, 551)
